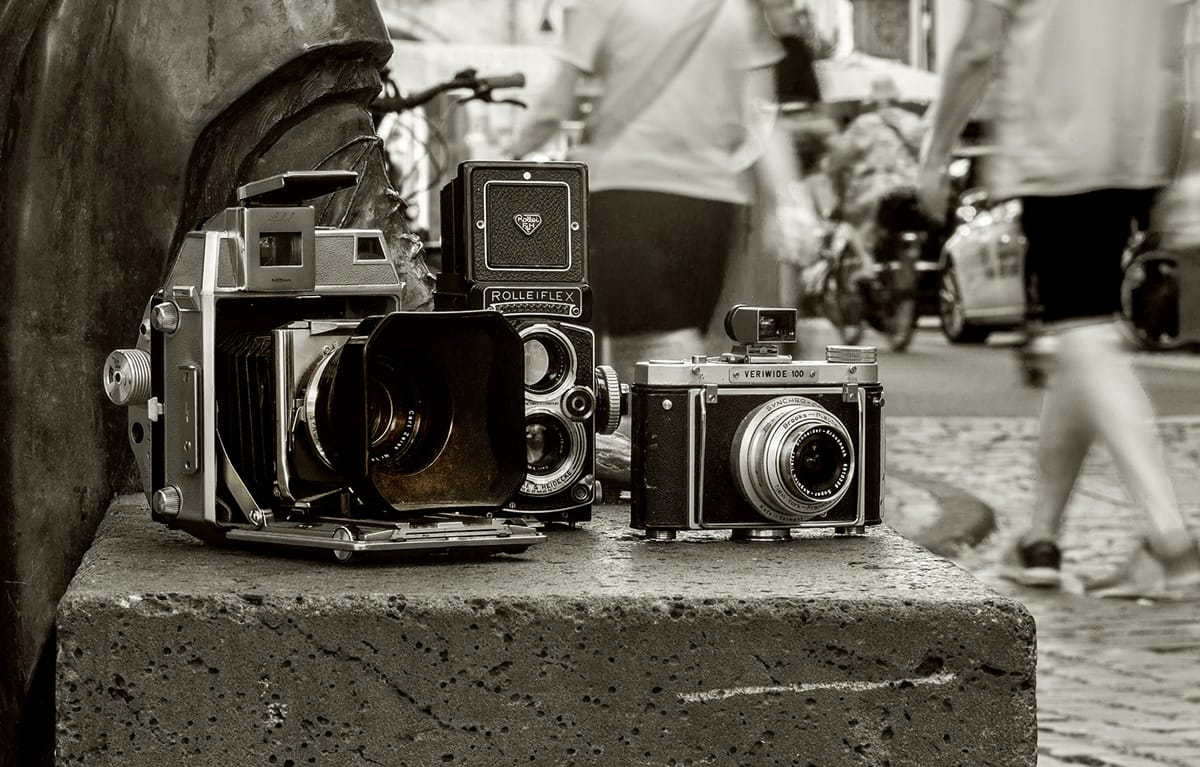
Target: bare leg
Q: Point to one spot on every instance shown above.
(1096, 369)
(1064, 437)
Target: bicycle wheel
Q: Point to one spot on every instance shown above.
(951, 314)
(842, 302)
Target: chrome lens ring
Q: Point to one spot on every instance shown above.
(764, 451)
(391, 426)
(569, 436)
(314, 395)
(550, 362)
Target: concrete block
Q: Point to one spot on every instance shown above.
(592, 648)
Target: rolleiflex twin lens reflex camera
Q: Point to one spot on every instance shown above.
(277, 396)
(514, 239)
(756, 442)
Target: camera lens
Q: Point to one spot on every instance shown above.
(554, 453)
(549, 360)
(792, 459)
(387, 427)
(408, 422)
(547, 444)
(819, 462)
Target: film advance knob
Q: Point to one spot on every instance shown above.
(608, 405)
(127, 376)
(851, 355)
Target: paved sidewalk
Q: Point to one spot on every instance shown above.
(1118, 681)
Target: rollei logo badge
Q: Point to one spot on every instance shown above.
(528, 222)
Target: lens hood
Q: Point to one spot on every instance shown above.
(429, 410)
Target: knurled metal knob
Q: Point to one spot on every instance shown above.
(608, 400)
(167, 501)
(127, 376)
(851, 355)
(578, 403)
(164, 316)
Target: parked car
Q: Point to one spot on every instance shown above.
(981, 285)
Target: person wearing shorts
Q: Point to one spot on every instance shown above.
(1083, 128)
(670, 177)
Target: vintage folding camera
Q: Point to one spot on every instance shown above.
(756, 442)
(277, 396)
(514, 239)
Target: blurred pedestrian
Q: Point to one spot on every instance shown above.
(1086, 98)
(672, 146)
(798, 269)
(875, 156)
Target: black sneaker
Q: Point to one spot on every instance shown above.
(1033, 564)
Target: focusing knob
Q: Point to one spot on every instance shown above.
(167, 501)
(608, 400)
(164, 316)
(578, 403)
(851, 355)
(127, 376)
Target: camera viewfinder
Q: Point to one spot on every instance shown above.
(760, 325)
(279, 249)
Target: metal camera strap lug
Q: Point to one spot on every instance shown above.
(850, 392)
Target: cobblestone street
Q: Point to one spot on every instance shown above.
(1118, 681)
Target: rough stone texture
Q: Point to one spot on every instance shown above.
(594, 647)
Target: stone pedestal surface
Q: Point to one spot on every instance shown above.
(594, 647)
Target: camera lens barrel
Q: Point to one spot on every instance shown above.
(554, 454)
(550, 360)
(792, 459)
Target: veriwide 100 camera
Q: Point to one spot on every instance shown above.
(277, 396)
(514, 239)
(756, 442)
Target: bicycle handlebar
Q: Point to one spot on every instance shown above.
(515, 80)
(480, 87)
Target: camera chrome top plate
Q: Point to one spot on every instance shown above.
(699, 371)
